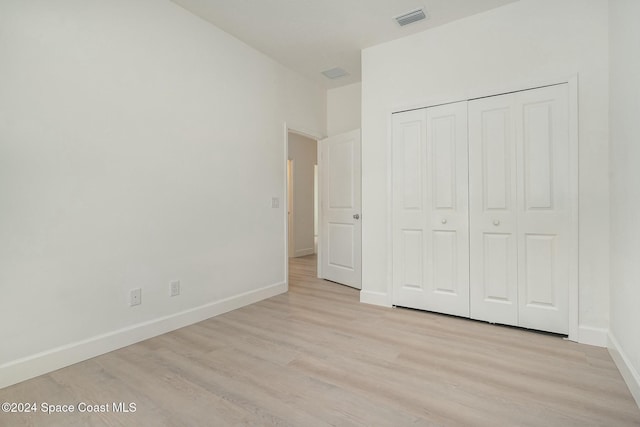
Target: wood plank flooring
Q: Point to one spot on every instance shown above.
(316, 356)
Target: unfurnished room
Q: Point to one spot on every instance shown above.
(319, 213)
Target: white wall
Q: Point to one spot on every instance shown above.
(525, 42)
(344, 109)
(625, 191)
(124, 133)
(303, 152)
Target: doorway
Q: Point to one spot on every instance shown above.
(301, 195)
(324, 212)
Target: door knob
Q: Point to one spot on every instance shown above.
(496, 222)
(444, 221)
(356, 216)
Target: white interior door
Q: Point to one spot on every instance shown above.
(520, 213)
(430, 209)
(341, 230)
(544, 211)
(493, 206)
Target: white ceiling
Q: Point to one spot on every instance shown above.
(310, 36)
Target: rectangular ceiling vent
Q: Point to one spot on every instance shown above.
(335, 73)
(410, 17)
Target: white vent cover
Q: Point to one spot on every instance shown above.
(335, 73)
(409, 17)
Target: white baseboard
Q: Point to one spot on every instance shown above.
(629, 373)
(593, 336)
(375, 298)
(304, 252)
(32, 366)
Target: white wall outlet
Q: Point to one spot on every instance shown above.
(275, 202)
(175, 288)
(136, 297)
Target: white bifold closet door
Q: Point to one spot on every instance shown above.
(520, 229)
(430, 209)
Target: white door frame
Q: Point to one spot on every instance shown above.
(319, 210)
(289, 200)
(572, 81)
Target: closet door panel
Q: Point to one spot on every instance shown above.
(497, 249)
(493, 215)
(412, 256)
(445, 253)
(544, 226)
(441, 138)
(431, 198)
(495, 149)
(539, 276)
(409, 208)
(448, 180)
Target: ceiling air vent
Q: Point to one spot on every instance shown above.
(410, 17)
(335, 73)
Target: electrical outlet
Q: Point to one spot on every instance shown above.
(136, 297)
(175, 288)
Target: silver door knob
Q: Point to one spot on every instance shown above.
(444, 221)
(496, 222)
(356, 216)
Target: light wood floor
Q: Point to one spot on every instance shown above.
(316, 356)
